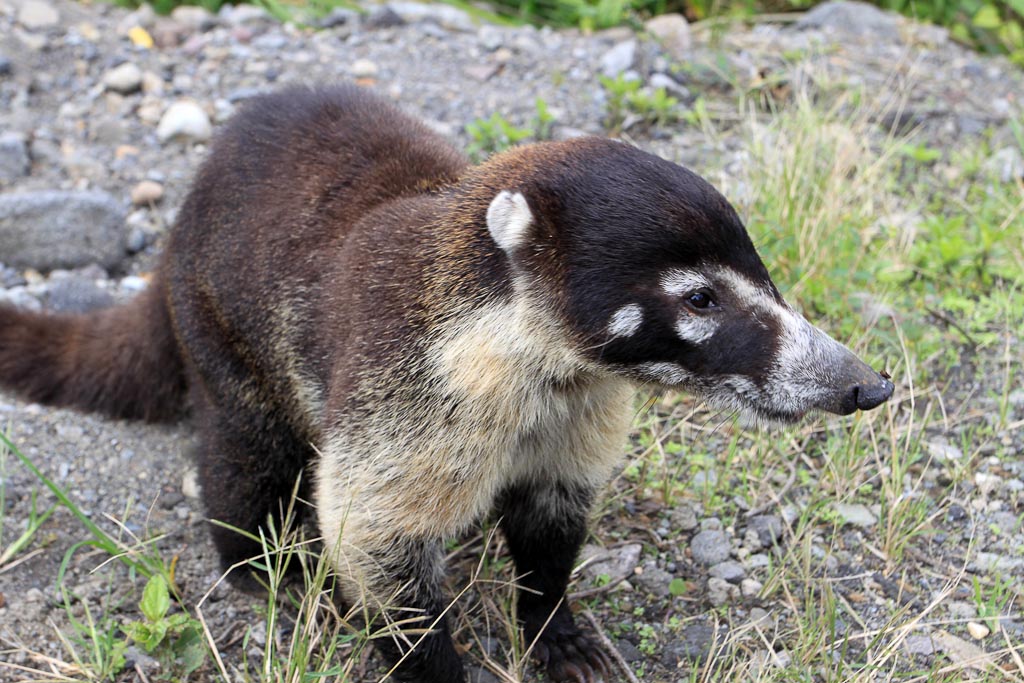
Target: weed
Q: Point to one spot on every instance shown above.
(626, 99)
(174, 640)
(10, 550)
(492, 135)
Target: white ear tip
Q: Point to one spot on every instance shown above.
(508, 218)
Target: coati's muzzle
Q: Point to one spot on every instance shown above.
(814, 371)
(857, 387)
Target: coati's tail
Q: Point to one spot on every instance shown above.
(121, 361)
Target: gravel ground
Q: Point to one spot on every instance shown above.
(94, 124)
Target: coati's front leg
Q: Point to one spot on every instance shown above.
(395, 572)
(545, 524)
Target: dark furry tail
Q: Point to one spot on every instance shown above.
(122, 361)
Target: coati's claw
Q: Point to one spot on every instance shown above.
(573, 659)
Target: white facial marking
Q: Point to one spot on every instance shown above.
(695, 328)
(508, 217)
(678, 282)
(626, 321)
(666, 373)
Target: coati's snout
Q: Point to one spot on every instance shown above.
(655, 274)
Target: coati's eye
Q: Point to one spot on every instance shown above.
(700, 299)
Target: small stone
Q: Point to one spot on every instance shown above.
(664, 82)
(184, 121)
(730, 571)
(673, 32)
(339, 16)
(195, 18)
(710, 547)
(6, 68)
(36, 14)
(977, 631)
(77, 294)
(14, 159)
(124, 79)
(750, 588)
(855, 514)
(721, 592)
(190, 484)
(618, 59)
(654, 580)
(147, 192)
(919, 645)
(240, 15)
(683, 517)
(987, 483)
(383, 17)
(133, 284)
(442, 15)
(943, 451)
(767, 527)
(621, 560)
(364, 68)
(695, 643)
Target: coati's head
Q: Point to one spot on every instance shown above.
(654, 274)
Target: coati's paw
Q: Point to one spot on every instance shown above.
(573, 658)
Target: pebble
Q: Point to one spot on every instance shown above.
(977, 631)
(147, 192)
(673, 32)
(682, 517)
(184, 121)
(767, 527)
(364, 68)
(444, 16)
(730, 571)
(125, 78)
(710, 547)
(190, 484)
(618, 59)
(77, 294)
(919, 645)
(193, 17)
(6, 68)
(721, 592)
(36, 14)
(750, 588)
(855, 514)
(14, 159)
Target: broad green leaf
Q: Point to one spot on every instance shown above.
(155, 598)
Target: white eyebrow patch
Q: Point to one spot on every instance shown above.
(694, 328)
(626, 321)
(676, 282)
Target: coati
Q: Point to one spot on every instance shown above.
(435, 341)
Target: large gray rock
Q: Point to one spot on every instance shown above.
(853, 18)
(57, 229)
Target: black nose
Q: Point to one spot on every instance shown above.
(868, 396)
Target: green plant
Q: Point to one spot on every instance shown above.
(626, 97)
(492, 135)
(8, 551)
(174, 640)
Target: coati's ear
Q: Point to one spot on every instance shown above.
(508, 219)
